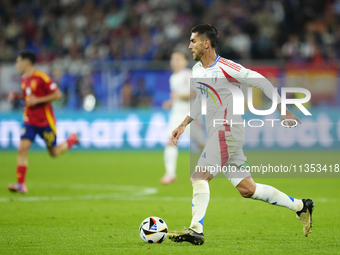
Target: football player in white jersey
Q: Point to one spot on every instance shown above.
(180, 104)
(224, 147)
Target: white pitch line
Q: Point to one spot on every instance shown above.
(90, 186)
(115, 196)
(125, 193)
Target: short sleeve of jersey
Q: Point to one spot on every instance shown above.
(232, 69)
(235, 72)
(47, 82)
(51, 87)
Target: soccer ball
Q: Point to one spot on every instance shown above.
(153, 230)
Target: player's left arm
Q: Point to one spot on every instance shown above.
(254, 79)
(175, 95)
(289, 117)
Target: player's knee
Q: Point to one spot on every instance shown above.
(22, 150)
(53, 154)
(193, 179)
(197, 175)
(247, 192)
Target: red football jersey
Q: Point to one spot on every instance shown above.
(39, 84)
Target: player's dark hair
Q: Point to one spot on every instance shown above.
(208, 31)
(29, 55)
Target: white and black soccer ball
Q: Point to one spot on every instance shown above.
(153, 230)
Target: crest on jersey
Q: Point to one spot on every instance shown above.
(33, 85)
(214, 77)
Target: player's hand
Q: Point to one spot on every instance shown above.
(12, 96)
(32, 100)
(167, 104)
(289, 119)
(177, 133)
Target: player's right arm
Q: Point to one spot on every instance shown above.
(180, 129)
(194, 112)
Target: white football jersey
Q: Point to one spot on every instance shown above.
(219, 100)
(180, 84)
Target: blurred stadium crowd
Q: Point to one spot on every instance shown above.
(73, 35)
(148, 29)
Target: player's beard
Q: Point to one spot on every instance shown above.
(198, 55)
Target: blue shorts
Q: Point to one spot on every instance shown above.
(46, 133)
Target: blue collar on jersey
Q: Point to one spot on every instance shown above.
(217, 58)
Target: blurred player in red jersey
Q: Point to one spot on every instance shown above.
(38, 92)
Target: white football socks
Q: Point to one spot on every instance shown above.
(273, 196)
(170, 159)
(200, 203)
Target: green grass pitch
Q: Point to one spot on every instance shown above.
(94, 202)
